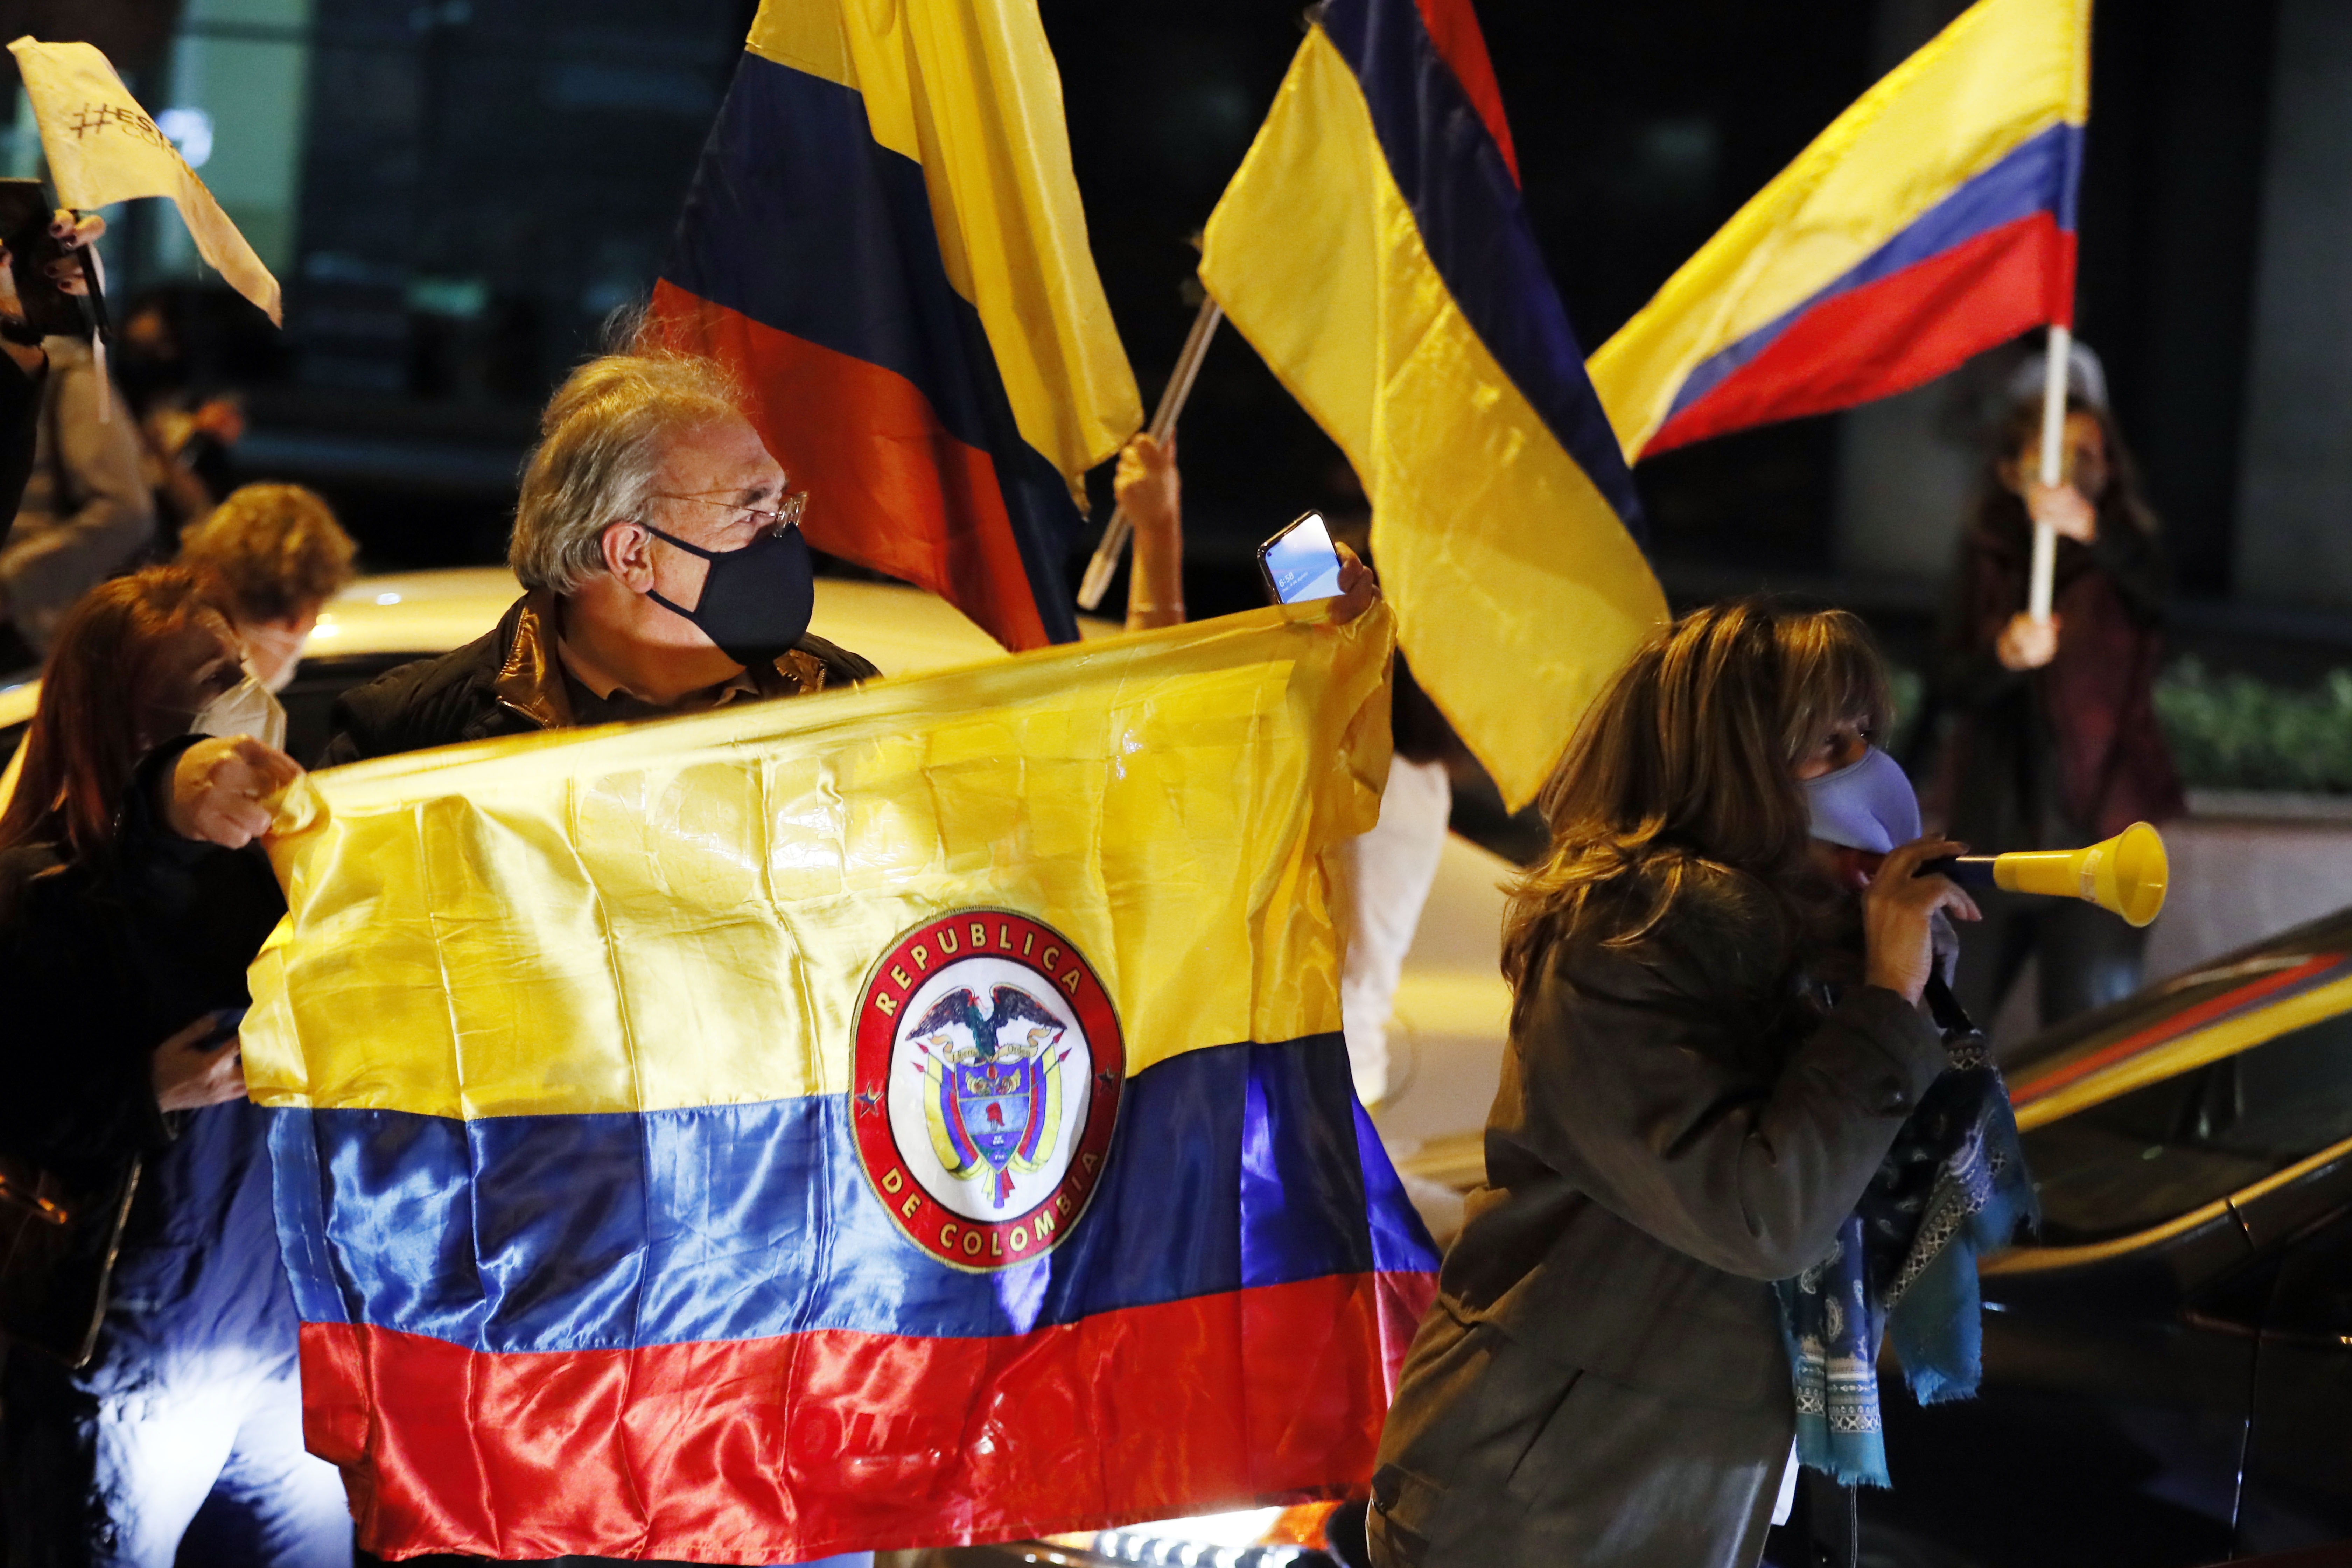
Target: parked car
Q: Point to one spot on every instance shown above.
(2168, 1368)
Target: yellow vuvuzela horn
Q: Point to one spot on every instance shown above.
(2126, 874)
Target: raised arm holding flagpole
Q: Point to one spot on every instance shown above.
(1163, 433)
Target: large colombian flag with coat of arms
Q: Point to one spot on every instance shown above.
(897, 1117)
(885, 241)
(1934, 219)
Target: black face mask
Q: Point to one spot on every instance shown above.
(755, 601)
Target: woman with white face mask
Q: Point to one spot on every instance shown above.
(270, 556)
(170, 1390)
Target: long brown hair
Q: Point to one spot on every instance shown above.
(1685, 762)
(103, 680)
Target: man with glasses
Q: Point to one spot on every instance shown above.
(660, 554)
(663, 568)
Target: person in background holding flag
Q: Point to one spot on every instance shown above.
(2057, 742)
(1713, 1049)
(21, 392)
(86, 511)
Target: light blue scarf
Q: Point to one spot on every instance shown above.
(1952, 1187)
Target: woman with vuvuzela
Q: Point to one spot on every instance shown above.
(1733, 1135)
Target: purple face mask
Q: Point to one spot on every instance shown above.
(1867, 806)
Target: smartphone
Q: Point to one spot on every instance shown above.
(24, 214)
(1300, 563)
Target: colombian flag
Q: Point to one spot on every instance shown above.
(907, 1116)
(884, 240)
(1933, 220)
(1374, 249)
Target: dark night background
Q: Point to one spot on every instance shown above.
(482, 180)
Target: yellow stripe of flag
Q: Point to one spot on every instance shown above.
(970, 91)
(682, 913)
(1518, 591)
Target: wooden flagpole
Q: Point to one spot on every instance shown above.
(1105, 565)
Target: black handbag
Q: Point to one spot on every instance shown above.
(58, 1241)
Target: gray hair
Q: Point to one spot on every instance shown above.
(600, 447)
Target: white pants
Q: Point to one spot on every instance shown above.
(119, 1481)
(1388, 873)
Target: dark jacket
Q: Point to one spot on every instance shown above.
(102, 960)
(1681, 1120)
(20, 420)
(2073, 752)
(508, 682)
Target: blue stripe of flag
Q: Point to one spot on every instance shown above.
(1237, 1166)
(2042, 174)
(800, 220)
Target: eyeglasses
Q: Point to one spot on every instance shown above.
(783, 519)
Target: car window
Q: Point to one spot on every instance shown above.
(2152, 1155)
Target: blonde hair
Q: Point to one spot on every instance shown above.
(600, 447)
(1686, 761)
(270, 552)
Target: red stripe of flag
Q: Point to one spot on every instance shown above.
(1891, 335)
(888, 485)
(783, 1450)
(1453, 27)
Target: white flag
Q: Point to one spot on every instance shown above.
(102, 149)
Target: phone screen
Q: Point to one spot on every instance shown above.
(1300, 563)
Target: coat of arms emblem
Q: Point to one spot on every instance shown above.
(988, 1074)
(997, 1079)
